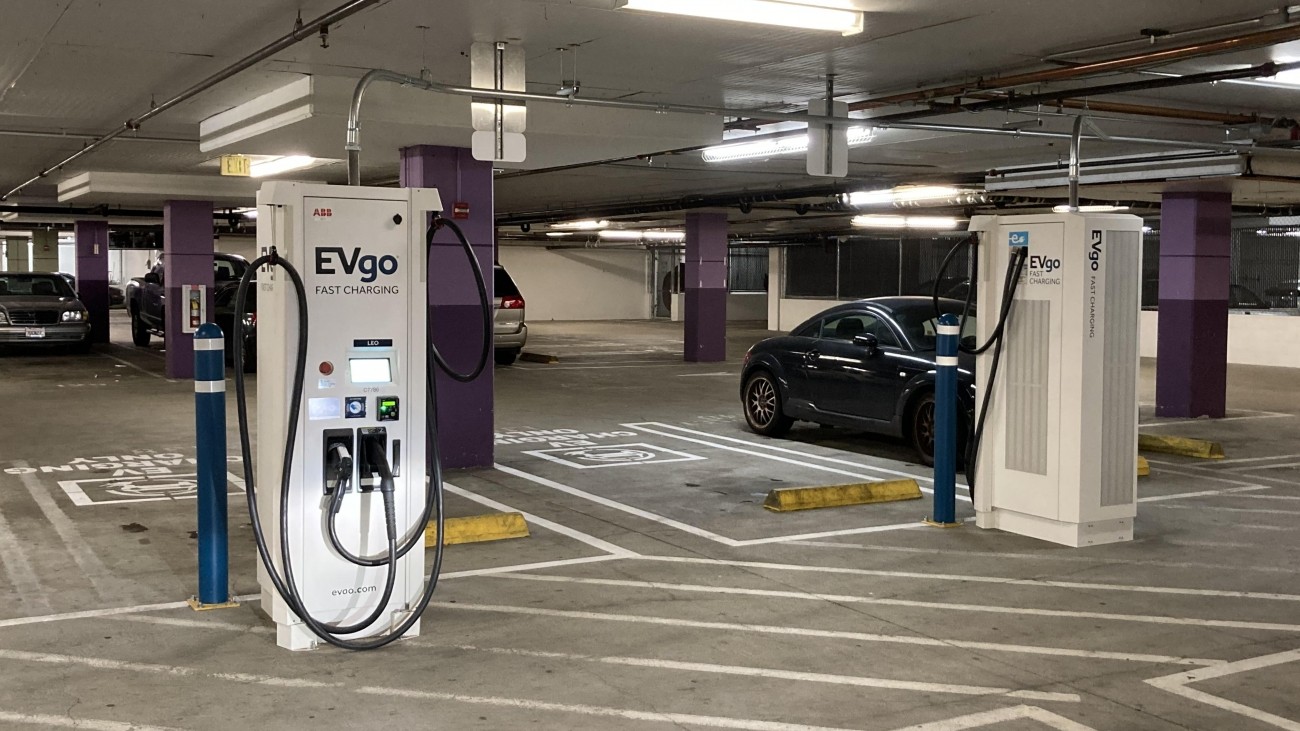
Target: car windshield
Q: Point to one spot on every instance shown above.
(34, 285)
(921, 327)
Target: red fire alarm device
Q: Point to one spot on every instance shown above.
(460, 211)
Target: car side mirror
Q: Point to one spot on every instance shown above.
(868, 341)
(152, 278)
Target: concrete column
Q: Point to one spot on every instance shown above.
(1195, 269)
(16, 254)
(188, 244)
(92, 275)
(465, 410)
(45, 250)
(706, 287)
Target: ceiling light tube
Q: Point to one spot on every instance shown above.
(581, 225)
(1091, 209)
(777, 146)
(626, 235)
(281, 165)
(929, 223)
(802, 14)
(902, 194)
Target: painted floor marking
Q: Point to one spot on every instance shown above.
(551, 525)
(1178, 682)
(87, 724)
(914, 603)
(915, 640)
(1204, 493)
(1214, 475)
(691, 529)
(975, 579)
(777, 674)
(106, 585)
(1247, 460)
(1252, 416)
(773, 448)
(999, 716)
(129, 364)
(18, 569)
(613, 455)
(681, 719)
(1217, 509)
(1259, 467)
(676, 719)
(1095, 561)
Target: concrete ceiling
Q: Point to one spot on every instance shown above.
(81, 67)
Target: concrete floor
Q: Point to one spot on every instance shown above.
(666, 596)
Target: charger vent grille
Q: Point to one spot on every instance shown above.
(1027, 380)
(1119, 378)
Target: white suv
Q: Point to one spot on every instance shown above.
(509, 331)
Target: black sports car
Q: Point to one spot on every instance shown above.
(866, 365)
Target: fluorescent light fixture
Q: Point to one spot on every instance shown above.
(774, 147)
(246, 212)
(559, 234)
(581, 225)
(279, 165)
(803, 14)
(931, 223)
(902, 194)
(1091, 209)
(624, 235)
(289, 104)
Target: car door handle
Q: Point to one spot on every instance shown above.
(811, 356)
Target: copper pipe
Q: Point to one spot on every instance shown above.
(1144, 110)
(1126, 63)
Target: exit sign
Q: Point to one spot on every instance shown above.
(236, 165)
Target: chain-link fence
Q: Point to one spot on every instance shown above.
(1265, 268)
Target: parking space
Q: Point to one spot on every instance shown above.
(655, 591)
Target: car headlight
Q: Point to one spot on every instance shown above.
(4, 317)
(73, 316)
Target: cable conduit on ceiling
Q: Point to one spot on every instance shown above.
(299, 33)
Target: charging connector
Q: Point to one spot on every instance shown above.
(372, 458)
(340, 445)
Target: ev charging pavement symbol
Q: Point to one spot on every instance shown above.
(153, 488)
(613, 455)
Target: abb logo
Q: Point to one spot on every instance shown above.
(322, 213)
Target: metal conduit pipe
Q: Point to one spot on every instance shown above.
(299, 33)
(1013, 101)
(1076, 143)
(1244, 42)
(353, 145)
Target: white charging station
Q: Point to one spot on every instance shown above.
(1058, 458)
(362, 256)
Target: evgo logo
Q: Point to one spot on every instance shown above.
(370, 266)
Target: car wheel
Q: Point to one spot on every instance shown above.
(920, 428)
(139, 333)
(763, 411)
(505, 357)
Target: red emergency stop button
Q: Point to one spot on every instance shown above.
(326, 368)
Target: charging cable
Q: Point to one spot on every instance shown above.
(286, 585)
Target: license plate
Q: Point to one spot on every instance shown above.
(34, 332)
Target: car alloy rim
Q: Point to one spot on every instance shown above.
(762, 401)
(925, 427)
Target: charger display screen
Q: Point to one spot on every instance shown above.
(370, 370)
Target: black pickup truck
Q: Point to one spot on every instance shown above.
(146, 302)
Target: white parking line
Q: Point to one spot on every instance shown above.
(969, 578)
(1184, 422)
(691, 529)
(1245, 460)
(839, 635)
(773, 448)
(1205, 493)
(913, 603)
(563, 530)
(777, 674)
(1000, 716)
(90, 724)
(1177, 684)
(1216, 509)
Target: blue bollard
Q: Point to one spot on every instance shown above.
(945, 422)
(210, 428)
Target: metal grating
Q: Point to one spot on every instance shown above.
(1119, 378)
(1027, 380)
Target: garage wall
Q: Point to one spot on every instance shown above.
(746, 306)
(245, 246)
(580, 284)
(1258, 339)
(786, 314)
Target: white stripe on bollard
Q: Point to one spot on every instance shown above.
(947, 360)
(950, 330)
(209, 343)
(209, 387)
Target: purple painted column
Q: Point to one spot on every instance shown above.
(92, 274)
(706, 287)
(188, 244)
(465, 410)
(1195, 261)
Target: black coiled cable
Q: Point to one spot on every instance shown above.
(286, 586)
